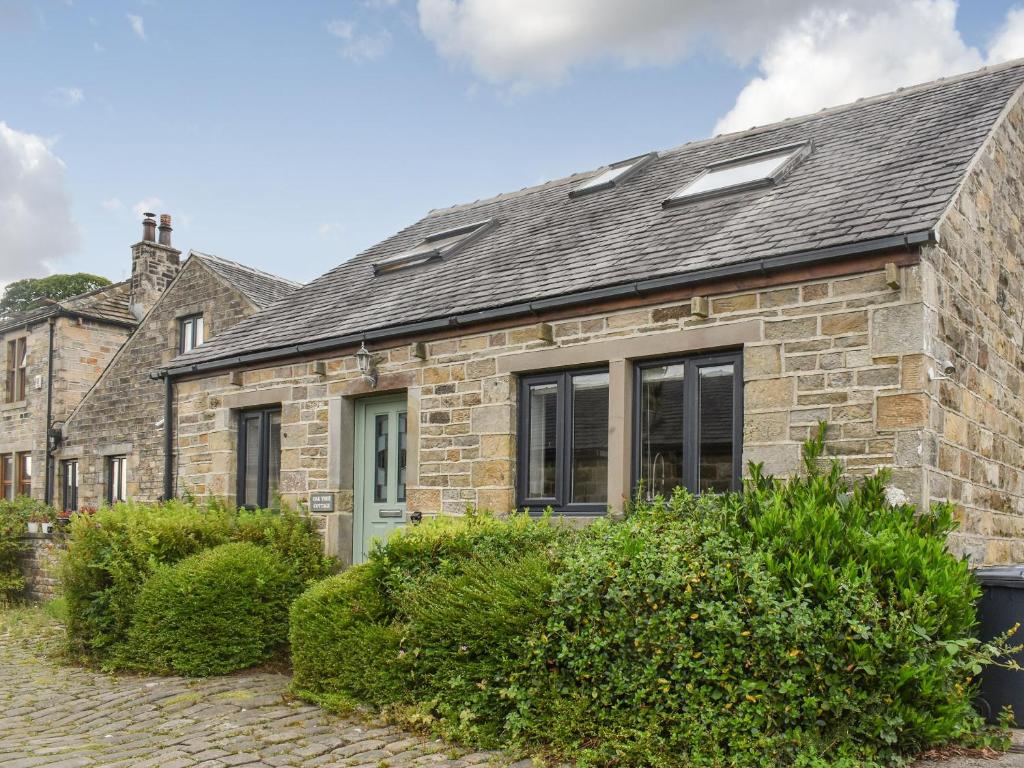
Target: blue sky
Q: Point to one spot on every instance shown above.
(290, 136)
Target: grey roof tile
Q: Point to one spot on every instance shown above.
(262, 288)
(885, 166)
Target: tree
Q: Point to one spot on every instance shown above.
(23, 295)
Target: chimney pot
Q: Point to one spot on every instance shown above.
(165, 229)
(149, 227)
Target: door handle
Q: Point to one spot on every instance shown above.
(390, 513)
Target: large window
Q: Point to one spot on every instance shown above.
(7, 476)
(69, 484)
(117, 479)
(259, 457)
(689, 423)
(191, 333)
(23, 462)
(563, 442)
(17, 369)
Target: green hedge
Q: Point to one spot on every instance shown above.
(112, 553)
(349, 633)
(212, 613)
(14, 517)
(802, 622)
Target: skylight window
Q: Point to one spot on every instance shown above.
(762, 169)
(434, 247)
(614, 175)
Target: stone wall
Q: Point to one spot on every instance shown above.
(845, 348)
(40, 565)
(123, 413)
(973, 446)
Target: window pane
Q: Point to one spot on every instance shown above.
(186, 336)
(543, 417)
(380, 471)
(251, 481)
(662, 404)
(70, 486)
(274, 459)
(200, 335)
(589, 439)
(402, 448)
(716, 433)
(7, 473)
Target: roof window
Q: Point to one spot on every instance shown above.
(434, 247)
(615, 174)
(762, 169)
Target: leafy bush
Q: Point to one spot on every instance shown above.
(113, 552)
(13, 518)
(801, 622)
(352, 636)
(223, 609)
(796, 624)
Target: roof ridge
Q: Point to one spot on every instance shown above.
(754, 130)
(93, 291)
(200, 255)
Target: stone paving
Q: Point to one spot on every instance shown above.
(67, 717)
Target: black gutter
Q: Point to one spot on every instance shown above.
(637, 288)
(48, 464)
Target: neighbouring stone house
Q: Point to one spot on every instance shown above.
(111, 446)
(663, 320)
(51, 356)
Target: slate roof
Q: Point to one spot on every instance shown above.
(881, 167)
(106, 304)
(262, 288)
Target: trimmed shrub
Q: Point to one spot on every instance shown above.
(113, 552)
(14, 516)
(350, 635)
(215, 612)
(345, 644)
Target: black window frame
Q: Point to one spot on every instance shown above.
(691, 424)
(559, 503)
(115, 497)
(263, 469)
(67, 505)
(197, 341)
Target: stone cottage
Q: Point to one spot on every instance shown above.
(664, 319)
(112, 447)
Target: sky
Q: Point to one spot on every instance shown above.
(292, 135)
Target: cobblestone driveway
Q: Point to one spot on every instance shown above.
(69, 718)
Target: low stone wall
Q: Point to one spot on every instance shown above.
(40, 564)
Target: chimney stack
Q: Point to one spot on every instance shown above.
(165, 229)
(155, 264)
(149, 228)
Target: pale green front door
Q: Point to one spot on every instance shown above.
(380, 450)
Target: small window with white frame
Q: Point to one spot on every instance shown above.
(117, 479)
(192, 333)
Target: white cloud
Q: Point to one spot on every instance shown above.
(147, 205)
(67, 97)
(111, 204)
(138, 26)
(36, 227)
(359, 46)
(329, 228)
(833, 57)
(537, 42)
(1008, 42)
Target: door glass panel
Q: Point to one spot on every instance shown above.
(251, 425)
(662, 404)
(543, 405)
(402, 447)
(589, 439)
(380, 462)
(716, 433)
(274, 459)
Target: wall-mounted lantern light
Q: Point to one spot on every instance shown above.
(364, 359)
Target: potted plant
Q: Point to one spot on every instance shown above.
(33, 523)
